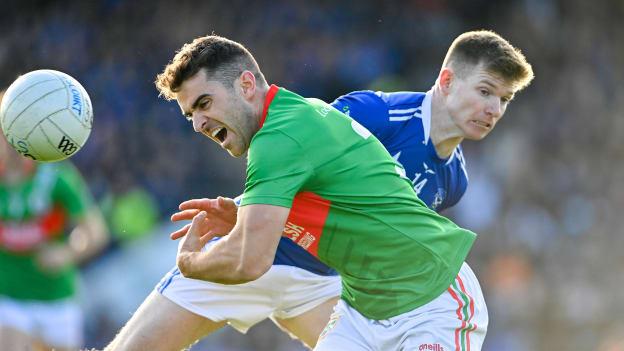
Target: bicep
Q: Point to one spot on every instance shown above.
(277, 169)
(260, 228)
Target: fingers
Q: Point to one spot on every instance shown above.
(180, 232)
(184, 215)
(198, 220)
(225, 202)
(196, 225)
(201, 204)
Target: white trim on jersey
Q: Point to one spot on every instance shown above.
(404, 114)
(450, 159)
(426, 116)
(403, 111)
(402, 118)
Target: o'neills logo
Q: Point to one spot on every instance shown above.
(430, 347)
(299, 235)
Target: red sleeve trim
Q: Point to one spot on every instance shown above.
(306, 220)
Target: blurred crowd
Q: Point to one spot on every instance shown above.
(546, 190)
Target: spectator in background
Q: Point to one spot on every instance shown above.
(48, 225)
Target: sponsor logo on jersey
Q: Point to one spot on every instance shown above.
(324, 110)
(438, 199)
(28, 235)
(299, 235)
(430, 347)
(306, 220)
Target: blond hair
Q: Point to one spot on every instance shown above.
(496, 54)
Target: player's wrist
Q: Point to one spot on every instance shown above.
(184, 261)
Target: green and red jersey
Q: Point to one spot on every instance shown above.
(39, 210)
(351, 206)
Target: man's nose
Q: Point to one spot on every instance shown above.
(494, 108)
(199, 122)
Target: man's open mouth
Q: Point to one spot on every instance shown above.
(219, 134)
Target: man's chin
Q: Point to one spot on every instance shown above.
(235, 153)
(476, 136)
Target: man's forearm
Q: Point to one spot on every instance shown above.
(220, 264)
(243, 255)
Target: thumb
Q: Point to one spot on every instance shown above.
(197, 221)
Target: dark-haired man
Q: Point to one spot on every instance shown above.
(338, 197)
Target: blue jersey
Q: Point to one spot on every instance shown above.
(401, 121)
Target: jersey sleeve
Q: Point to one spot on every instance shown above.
(71, 192)
(368, 109)
(277, 169)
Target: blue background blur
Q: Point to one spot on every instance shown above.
(546, 189)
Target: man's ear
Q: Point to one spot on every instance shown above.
(445, 79)
(248, 84)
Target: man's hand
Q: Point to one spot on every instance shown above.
(54, 257)
(197, 236)
(219, 220)
(245, 254)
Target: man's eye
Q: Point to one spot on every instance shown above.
(485, 92)
(204, 104)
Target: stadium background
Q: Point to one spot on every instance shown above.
(546, 188)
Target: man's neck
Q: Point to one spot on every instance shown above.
(259, 102)
(444, 133)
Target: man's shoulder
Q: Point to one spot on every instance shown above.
(389, 99)
(291, 113)
(402, 98)
(287, 105)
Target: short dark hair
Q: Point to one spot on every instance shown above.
(223, 60)
(494, 52)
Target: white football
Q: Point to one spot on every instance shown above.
(46, 115)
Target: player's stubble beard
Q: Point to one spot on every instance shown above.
(245, 123)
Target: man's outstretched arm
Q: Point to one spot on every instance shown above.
(243, 255)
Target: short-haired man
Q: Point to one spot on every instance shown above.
(471, 94)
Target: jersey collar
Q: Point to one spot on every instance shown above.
(426, 121)
(426, 115)
(267, 101)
